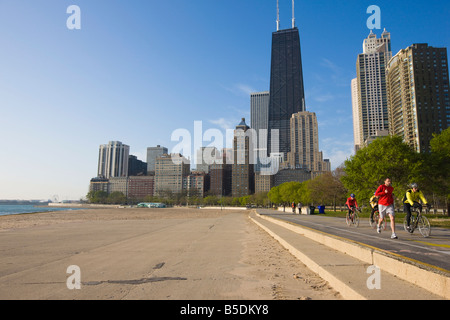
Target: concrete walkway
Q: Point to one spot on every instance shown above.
(356, 272)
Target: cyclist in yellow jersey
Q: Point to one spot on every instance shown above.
(374, 204)
(411, 199)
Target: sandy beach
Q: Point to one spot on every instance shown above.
(150, 254)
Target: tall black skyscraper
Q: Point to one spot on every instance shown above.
(286, 85)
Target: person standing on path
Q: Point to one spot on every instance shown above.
(386, 205)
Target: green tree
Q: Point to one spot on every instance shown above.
(275, 196)
(437, 175)
(117, 198)
(226, 201)
(260, 198)
(304, 193)
(97, 196)
(385, 157)
(211, 200)
(245, 200)
(289, 192)
(327, 189)
(440, 144)
(235, 202)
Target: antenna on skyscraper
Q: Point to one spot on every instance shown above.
(278, 16)
(293, 14)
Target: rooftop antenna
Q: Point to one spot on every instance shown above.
(293, 14)
(278, 16)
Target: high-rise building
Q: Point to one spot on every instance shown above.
(259, 112)
(152, 154)
(242, 179)
(136, 167)
(263, 183)
(118, 184)
(288, 175)
(305, 152)
(196, 184)
(356, 121)
(99, 184)
(113, 160)
(140, 187)
(286, 86)
(206, 156)
(220, 175)
(169, 173)
(371, 65)
(419, 104)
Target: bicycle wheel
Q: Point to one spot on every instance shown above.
(411, 223)
(356, 219)
(348, 220)
(376, 218)
(424, 227)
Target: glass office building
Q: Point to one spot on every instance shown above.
(286, 87)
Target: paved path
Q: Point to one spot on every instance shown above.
(356, 270)
(434, 251)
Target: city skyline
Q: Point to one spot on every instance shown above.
(136, 72)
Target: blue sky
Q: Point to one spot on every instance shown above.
(138, 70)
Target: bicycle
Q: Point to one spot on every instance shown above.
(418, 221)
(353, 218)
(376, 218)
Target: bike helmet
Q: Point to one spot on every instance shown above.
(414, 186)
(352, 195)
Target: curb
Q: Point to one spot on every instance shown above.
(428, 277)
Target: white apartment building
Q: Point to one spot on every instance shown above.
(113, 160)
(372, 116)
(356, 120)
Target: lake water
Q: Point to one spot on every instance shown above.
(19, 209)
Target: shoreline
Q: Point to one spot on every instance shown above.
(37, 211)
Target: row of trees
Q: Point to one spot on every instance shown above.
(369, 167)
(102, 197)
(391, 157)
(325, 189)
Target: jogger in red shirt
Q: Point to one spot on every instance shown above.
(386, 205)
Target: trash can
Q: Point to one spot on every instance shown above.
(321, 209)
(311, 209)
